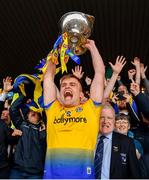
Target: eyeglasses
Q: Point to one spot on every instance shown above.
(121, 122)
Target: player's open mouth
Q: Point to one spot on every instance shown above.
(68, 94)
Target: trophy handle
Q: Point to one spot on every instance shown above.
(91, 19)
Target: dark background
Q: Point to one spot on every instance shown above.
(29, 28)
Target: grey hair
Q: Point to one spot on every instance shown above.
(108, 106)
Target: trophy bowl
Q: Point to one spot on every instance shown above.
(78, 27)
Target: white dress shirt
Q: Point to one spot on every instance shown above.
(105, 171)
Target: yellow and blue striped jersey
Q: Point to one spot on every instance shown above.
(71, 139)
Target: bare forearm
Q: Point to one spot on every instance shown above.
(138, 75)
(97, 61)
(50, 70)
(97, 86)
(48, 84)
(108, 89)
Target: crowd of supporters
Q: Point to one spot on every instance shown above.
(23, 126)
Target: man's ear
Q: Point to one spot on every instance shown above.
(129, 126)
(81, 95)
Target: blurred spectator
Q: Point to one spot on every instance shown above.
(117, 67)
(144, 79)
(6, 133)
(123, 102)
(141, 100)
(30, 151)
(122, 125)
(119, 157)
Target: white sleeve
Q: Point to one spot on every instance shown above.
(3, 96)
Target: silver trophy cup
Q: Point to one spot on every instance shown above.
(78, 27)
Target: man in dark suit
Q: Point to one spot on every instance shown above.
(119, 159)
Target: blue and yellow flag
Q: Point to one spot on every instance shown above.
(60, 52)
(30, 86)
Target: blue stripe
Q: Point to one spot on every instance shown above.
(97, 103)
(48, 105)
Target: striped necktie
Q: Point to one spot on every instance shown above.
(99, 157)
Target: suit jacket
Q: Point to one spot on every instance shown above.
(142, 102)
(144, 166)
(124, 163)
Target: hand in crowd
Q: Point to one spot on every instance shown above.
(88, 80)
(128, 97)
(119, 64)
(7, 86)
(78, 72)
(28, 101)
(136, 62)
(134, 88)
(143, 70)
(131, 73)
(17, 132)
(42, 127)
(114, 98)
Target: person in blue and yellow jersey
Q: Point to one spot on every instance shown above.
(72, 127)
